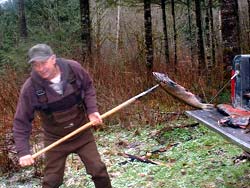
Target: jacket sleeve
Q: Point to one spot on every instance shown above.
(22, 124)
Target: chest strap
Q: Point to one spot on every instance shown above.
(43, 99)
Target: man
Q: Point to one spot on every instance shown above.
(63, 93)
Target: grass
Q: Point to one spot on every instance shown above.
(198, 158)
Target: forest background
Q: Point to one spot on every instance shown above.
(121, 43)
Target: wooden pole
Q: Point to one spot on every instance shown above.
(89, 124)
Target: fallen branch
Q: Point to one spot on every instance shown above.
(140, 159)
(164, 148)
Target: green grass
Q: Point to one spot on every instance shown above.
(200, 158)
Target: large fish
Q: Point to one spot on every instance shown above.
(234, 117)
(179, 92)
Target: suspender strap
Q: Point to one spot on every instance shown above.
(43, 99)
(72, 81)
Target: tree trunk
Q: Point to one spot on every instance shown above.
(230, 30)
(148, 34)
(190, 36)
(97, 29)
(200, 43)
(208, 42)
(1, 31)
(210, 3)
(165, 31)
(118, 26)
(22, 20)
(86, 30)
(248, 3)
(175, 34)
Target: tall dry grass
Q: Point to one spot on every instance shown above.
(10, 85)
(116, 83)
(8, 99)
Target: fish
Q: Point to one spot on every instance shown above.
(234, 117)
(236, 121)
(228, 110)
(179, 92)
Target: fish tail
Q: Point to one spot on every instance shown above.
(207, 106)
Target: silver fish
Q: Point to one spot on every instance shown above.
(179, 92)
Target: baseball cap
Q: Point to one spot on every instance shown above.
(40, 52)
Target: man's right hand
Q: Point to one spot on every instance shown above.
(26, 160)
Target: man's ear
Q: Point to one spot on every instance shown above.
(53, 58)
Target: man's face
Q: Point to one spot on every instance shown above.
(46, 69)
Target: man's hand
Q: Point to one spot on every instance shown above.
(95, 118)
(26, 160)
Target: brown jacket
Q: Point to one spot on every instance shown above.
(28, 101)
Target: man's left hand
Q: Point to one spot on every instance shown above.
(95, 118)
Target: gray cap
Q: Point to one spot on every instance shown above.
(39, 52)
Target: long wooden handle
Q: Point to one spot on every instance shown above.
(89, 124)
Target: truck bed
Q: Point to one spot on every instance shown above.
(210, 119)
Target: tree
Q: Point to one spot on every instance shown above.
(148, 34)
(211, 21)
(165, 31)
(210, 39)
(190, 35)
(230, 30)
(175, 32)
(200, 43)
(248, 9)
(86, 29)
(22, 20)
(99, 23)
(1, 31)
(118, 26)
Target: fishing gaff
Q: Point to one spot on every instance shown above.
(89, 124)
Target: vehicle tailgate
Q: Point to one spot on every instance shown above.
(210, 119)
